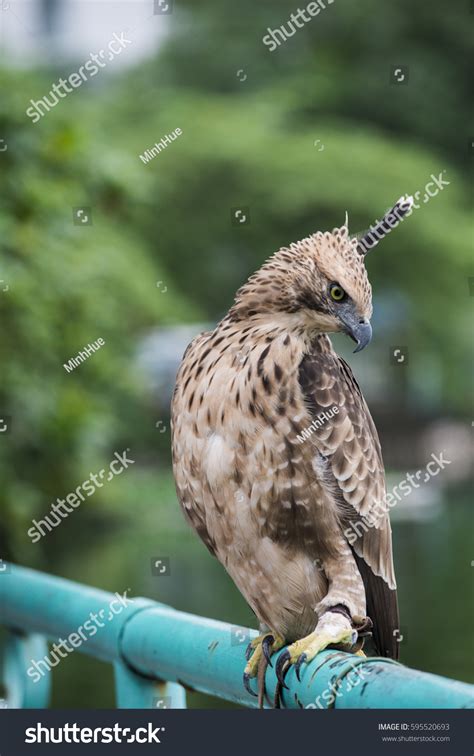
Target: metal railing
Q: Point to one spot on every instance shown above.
(158, 652)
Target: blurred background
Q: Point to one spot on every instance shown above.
(358, 107)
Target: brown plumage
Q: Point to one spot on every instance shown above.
(274, 502)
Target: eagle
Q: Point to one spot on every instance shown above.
(277, 461)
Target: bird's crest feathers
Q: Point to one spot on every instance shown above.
(402, 208)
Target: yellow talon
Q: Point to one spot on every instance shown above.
(332, 629)
(318, 641)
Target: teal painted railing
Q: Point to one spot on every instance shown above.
(157, 652)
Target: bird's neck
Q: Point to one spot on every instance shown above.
(283, 326)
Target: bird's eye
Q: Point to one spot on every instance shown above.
(337, 293)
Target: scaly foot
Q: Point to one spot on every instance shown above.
(332, 629)
(260, 649)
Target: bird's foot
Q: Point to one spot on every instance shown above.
(258, 655)
(332, 629)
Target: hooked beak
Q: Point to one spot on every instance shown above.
(359, 329)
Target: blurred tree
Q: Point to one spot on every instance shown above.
(68, 285)
(338, 64)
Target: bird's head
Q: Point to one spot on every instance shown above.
(319, 284)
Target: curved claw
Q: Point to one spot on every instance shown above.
(282, 668)
(267, 644)
(248, 651)
(247, 687)
(301, 660)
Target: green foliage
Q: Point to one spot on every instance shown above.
(68, 286)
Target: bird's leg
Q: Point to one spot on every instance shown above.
(332, 629)
(259, 653)
(346, 587)
(340, 615)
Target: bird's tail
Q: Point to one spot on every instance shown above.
(382, 608)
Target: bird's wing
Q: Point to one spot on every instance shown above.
(349, 445)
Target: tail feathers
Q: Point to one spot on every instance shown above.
(382, 608)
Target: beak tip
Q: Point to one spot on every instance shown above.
(363, 337)
(359, 331)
